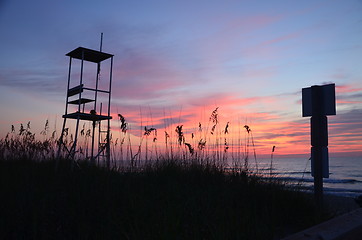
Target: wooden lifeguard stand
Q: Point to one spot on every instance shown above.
(83, 103)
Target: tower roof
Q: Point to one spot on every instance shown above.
(89, 55)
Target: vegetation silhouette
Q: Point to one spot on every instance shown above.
(176, 198)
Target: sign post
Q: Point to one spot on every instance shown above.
(317, 102)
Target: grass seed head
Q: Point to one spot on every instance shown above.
(180, 134)
(214, 116)
(123, 123)
(248, 129)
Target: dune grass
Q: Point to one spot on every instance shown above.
(182, 194)
(168, 200)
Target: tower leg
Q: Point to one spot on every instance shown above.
(60, 143)
(93, 160)
(74, 148)
(108, 146)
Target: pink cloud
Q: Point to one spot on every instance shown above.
(144, 77)
(348, 95)
(347, 89)
(269, 128)
(290, 137)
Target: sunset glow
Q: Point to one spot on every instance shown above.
(175, 63)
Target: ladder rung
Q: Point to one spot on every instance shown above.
(81, 101)
(86, 116)
(75, 90)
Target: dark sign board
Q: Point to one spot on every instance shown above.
(326, 103)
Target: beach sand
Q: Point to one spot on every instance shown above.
(338, 205)
(345, 222)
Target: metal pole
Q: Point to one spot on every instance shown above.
(92, 150)
(79, 103)
(108, 149)
(95, 108)
(69, 72)
(318, 141)
(66, 111)
(100, 148)
(95, 102)
(100, 47)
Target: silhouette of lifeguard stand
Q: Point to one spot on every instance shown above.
(82, 103)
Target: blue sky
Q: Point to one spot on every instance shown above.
(250, 58)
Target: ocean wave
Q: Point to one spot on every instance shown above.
(299, 172)
(341, 181)
(344, 191)
(326, 180)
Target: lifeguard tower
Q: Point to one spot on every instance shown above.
(86, 96)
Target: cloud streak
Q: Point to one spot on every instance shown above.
(249, 59)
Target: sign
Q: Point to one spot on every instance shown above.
(325, 161)
(326, 102)
(317, 103)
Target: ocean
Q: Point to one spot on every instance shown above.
(345, 174)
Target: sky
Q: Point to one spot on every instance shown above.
(175, 62)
